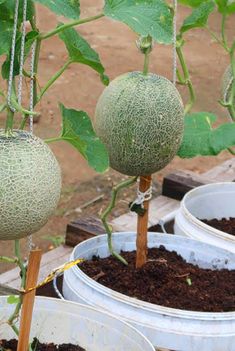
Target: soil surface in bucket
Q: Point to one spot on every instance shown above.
(226, 225)
(11, 345)
(167, 280)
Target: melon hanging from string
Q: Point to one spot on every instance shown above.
(30, 184)
(140, 119)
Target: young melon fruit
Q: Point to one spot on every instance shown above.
(140, 119)
(227, 82)
(30, 184)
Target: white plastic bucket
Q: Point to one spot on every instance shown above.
(67, 322)
(165, 327)
(207, 202)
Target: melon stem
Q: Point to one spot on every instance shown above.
(9, 122)
(115, 190)
(146, 63)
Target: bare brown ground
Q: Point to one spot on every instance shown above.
(80, 88)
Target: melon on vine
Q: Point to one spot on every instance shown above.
(140, 119)
(227, 82)
(30, 184)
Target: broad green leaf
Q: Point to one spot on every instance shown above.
(230, 7)
(29, 39)
(5, 37)
(13, 300)
(192, 3)
(78, 131)
(200, 138)
(199, 16)
(80, 51)
(6, 67)
(7, 10)
(6, 13)
(223, 137)
(226, 7)
(148, 17)
(66, 8)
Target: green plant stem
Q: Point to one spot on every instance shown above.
(8, 259)
(3, 107)
(22, 110)
(33, 23)
(230, 104)
(23, 270)
(33, 19)
(26, 74)
(218, 40)
(9, 122)
(35, 69)
(69, 25)
(108, 210)
(224, 40)
(51, 140)
(53, 79)
(146, 62)
(187, 80)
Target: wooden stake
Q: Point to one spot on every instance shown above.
(142, 226)
(28, 300)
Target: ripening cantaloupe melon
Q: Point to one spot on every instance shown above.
(30, 184)
(140, 119)
(227, 82)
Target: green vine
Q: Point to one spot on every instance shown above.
(23, 271)
(37, 97)
(185, 80)
(8, 259)
(230, 50)
(108, 210)
(224, 39)
(9, 122)
(231, 106)
(53, 79)
(69, 25)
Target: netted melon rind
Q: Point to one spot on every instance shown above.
(227, 84)
(140, 119)
(30, 184)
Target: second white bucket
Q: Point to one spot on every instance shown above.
(66, 322)
(210, 201)
(165, 327)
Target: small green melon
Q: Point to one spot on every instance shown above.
(227, 82)
(30, 184)
(140, 119)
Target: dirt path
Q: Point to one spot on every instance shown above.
(80, 88)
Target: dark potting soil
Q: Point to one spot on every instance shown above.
(224, 224)
(11, 345)
(167, 280)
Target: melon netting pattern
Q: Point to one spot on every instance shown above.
(141, 120)
(30, 184)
